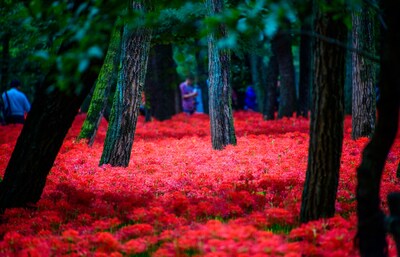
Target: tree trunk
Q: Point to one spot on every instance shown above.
(371, 228)
(256, 65)
(326, 131)
(305, 67)
(348, 82)
(271, 83)
(221, 118)
(47, 124)
(161, 81)
(106, 79)
(363, 104)
(128, 96)
(202, 75)
(282, 48)
(5, 62)
(177, 96)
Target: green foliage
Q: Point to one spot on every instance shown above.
(63, 33)
(39, 30)
(177, 25)
(184, 57)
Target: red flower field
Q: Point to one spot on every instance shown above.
(178, 197)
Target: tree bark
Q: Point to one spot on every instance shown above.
(47, 124)
(161, 81)
(348, 83)
(220, 106)
(326, 130)
(371, 229)
(363, 103)
(305, 67)
(128, 95)
(107, 77)
(202, 75)
(5, 61)
(256, 65)
(271, 87)
(282, 48)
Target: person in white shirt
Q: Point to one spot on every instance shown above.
(16, 104)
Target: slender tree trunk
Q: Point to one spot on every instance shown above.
(47, 124)
(177, 96)
(128, 95)
(5, 61)
(221, 118)
(371, 228)
(326, 131)
(161, 81)
(256, 65)
(271, 83)
(363, 104)
(202, 75)
(305, 66)
(106, 79)
(282, 46)
(348, 83)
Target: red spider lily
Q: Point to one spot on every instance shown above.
(178, 197)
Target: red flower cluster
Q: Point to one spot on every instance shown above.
(178, 197)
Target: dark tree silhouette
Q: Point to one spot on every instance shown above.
(371, 220)
(326, 130)
(47, 124)
(363, 102)
(271, 88)
(161, 82)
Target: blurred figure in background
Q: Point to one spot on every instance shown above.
(188, 95)
(15, 104)
(198, 99)
(250, 102)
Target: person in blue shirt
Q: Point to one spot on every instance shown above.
(15, 103)
(199, 99)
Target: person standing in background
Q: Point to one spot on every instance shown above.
(15, 104)
(198, 99)
(188, 95)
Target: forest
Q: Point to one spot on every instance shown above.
(200, 128)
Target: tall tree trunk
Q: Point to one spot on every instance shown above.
(202, 75)
(128, 95)
(47, 124)
(177, 96)
(221, 118)
(107, 77)
(271, 83)
(161, 81)
(5, 61)
(326, 131)
(371, 228)
(305, 64)
(363, 104)
(282, 47)
(256, 65)
(348, 82)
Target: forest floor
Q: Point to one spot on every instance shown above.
(178, 197)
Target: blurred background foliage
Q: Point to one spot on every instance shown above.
(33, 31)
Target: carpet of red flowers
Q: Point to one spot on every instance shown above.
(178, 197)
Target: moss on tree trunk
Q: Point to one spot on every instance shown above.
(102, 89)
(128, 95)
